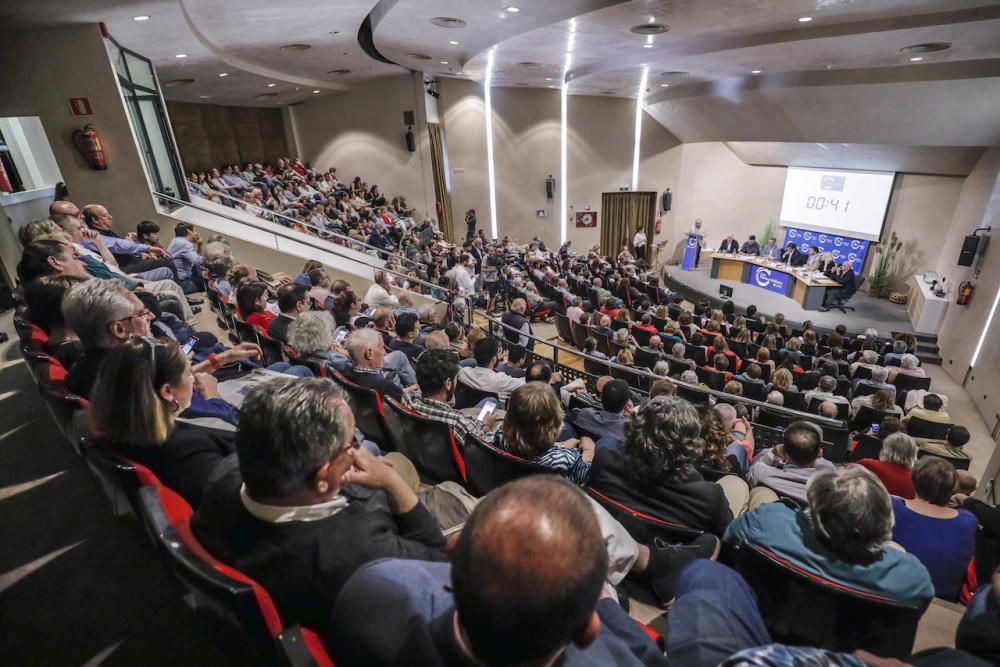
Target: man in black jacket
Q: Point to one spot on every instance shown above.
(729, 244)
(293, 300)
(792, 256)
(844, 275)
(367, 354)
(305, 509)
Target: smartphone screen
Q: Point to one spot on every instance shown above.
(189, 345)
(487, 410)
(874, 428)
(342, 335)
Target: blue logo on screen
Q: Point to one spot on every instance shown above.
(831, 182)
(776, 281)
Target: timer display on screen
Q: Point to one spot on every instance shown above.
(846, 203)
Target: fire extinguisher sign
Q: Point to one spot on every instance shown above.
(80, 106)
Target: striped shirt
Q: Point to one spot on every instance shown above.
(460, 423)
(567, 462)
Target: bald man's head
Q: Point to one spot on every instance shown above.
(527, 571)
(63, 207)
(97, 217)
(437, 340)
(601, 381)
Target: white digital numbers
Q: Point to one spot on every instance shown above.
(822, 203)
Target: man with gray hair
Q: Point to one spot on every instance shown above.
(306, 508)
(741, 443)
(676, 358)
(575, 311)
(786, 468)
(895, 464)
(879, 380)
(898, 350)
(908, 365)
(824, 392)
(844, 536)
(690, 377)
(867, 359)
(367, 354)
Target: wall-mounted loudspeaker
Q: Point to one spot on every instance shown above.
(666, 200)
(550, 187)
(411, 141)
(408, 118)
(970, 248)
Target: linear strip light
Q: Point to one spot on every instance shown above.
(491, 170)
(563, 138)
(638, 127)
(986, 330)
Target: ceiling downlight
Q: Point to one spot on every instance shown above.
(448, 22)
(649, 29)
(926, 47)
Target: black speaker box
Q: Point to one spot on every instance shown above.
(969, 249)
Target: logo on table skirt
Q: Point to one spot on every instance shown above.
(837, 241)
(855, 244)
(763, 277)
(692, 241)
(806, 236)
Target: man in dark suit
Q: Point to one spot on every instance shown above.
(305, 509)
(367, 354)
(792, 256)
(751, 247)
(293, 300)
(524, 588)
(844, 275)
(729, 244)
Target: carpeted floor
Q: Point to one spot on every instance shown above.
(76, 588)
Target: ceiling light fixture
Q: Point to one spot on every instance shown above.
(448, 22)
(453, 42)
(418, 56)
(142, 17)
(664, 85)
(649, 29)
(513, 10)
(174, 83)
(295, 47)
(647, 45)
(755, 71)
(271, 85)
(444, 62)
(926, 47)
(181, 55)
(916, 59)
(337, 72)
(548, 78)
(316, 92)
(223, 74)
(805, 19)
(204, 97)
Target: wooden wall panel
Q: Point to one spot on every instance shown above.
(210, 134)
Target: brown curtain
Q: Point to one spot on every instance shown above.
(441, 195)
(622, 215)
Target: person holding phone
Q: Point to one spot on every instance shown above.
(437, 370)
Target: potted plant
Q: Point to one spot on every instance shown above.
(884, 273)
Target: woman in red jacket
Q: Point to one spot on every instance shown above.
(251, 301)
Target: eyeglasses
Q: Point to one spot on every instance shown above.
(144, 313)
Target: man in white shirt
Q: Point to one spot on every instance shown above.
(574, 311)
(379, 295)
(466, 284)
(639, 243)
(824, 392)
(483, 377)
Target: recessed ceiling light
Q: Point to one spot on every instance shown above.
(529, 64)
(664, 85)
(926, 47)
(548, 78)
(418, 56)
(649, 29)
(444, 62)
(264, 96)
(271, 85)
(204, 97)
(142, 17)
(755, 71)
(513, 10)
(315, 92)
(174, 83)
(223, 73)
(916, 59)
(181, 55)
(295, 47)
(647, 45)
(337, 72)
(448, 22)
(805, 19)
(453, 42)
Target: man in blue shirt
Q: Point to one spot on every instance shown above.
(772, 250)
(184, 251)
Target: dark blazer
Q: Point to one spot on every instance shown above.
(796, 258)
(303, 564)
(402, 613)
(278, 328)
(186, 460)
(847, 280)
(377, 382)
(729, 246)
(411, 350)
(688, 500)
(750, 248)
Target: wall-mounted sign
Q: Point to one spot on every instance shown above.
(586, 219)
(541, 213)
(80, 106)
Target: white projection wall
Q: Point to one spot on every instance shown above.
(847, 203)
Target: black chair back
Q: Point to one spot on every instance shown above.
(468, 397)
(868, 447)
(369, 412)
(805, 609)
(862, 373)
(754, 390)
(563, 329)
(580, 334)
(771, 418)
(866, 416)
(645, 358)
(487, 467)
(429, 444)
(793, 399)
(692, 395)
(636, 380)
(908, 382)
(696, 353)
(594, 366)
(271, 348)
(641, 336)
(712, 379)
(641, 526)
(923, 428)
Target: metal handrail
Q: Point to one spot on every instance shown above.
(268, 212)
(495, 323)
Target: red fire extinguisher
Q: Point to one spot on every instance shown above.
(5, 185)
(89, 145)
(965, 293)
(659, 226)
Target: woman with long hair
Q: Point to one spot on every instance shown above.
(251, 303)
(142, 388)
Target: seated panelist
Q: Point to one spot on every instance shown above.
(793, 256)
(729, 244)
(751, 247)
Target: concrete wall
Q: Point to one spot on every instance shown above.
(362, 134)
(209, 135)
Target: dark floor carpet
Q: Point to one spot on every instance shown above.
(76, 587)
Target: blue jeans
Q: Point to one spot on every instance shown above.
(741, 455)
(467, 363)
(402, 370)
(288, 369)
(160, 273)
